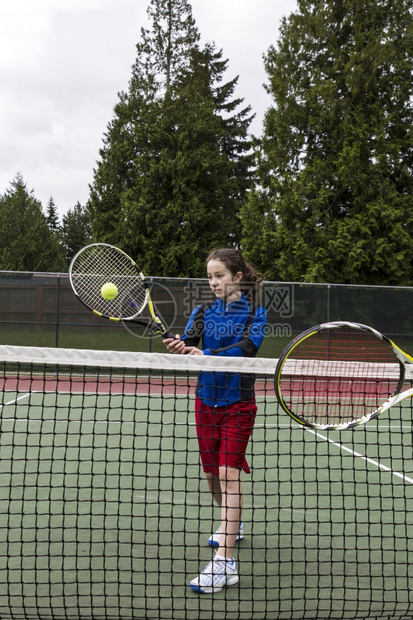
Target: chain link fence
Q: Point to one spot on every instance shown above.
(40, 309)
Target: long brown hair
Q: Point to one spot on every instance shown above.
(250, 284)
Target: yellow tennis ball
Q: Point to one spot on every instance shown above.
(109, 290)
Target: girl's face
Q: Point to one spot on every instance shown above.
(222, 282)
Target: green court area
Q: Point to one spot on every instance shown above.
(104, 513)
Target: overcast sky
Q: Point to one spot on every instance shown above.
(63, 62)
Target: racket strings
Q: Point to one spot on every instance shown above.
(99, 264)
(337, 376)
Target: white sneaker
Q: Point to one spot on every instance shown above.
(214, 539)
(220, 572)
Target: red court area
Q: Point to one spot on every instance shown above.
(324, 388)
(91, 384)
(97, 385)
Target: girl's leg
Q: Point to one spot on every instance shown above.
(222, 571)
(231, 508)
(214, 486)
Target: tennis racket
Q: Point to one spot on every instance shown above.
(338, 375)
(100, 264)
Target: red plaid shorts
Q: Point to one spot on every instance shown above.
(223, 434)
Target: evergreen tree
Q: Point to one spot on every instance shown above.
(167, 49)
(76, 230)
(335, 184)
(175, 167)
(27, 242)
(52, 216)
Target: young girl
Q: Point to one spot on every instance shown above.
(233, 325)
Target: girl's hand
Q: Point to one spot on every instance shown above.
(194, 351)
(176, 345)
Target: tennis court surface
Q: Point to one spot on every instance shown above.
(105, 514)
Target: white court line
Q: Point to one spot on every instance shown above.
(15, 400)
(166, 497)
(361, 456)
(54, 420)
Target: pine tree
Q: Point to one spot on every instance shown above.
(27, 242)
(175, 167)
(76, 230)
(52, 216)
(335, 161)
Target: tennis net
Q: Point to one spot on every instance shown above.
(105, 513)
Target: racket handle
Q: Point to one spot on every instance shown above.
(168, 334)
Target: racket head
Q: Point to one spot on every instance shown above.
(337, 375)
(100, 263)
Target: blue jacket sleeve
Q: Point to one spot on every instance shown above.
(251, 340)
(194, 328)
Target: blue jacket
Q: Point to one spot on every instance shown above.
(234, 331)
